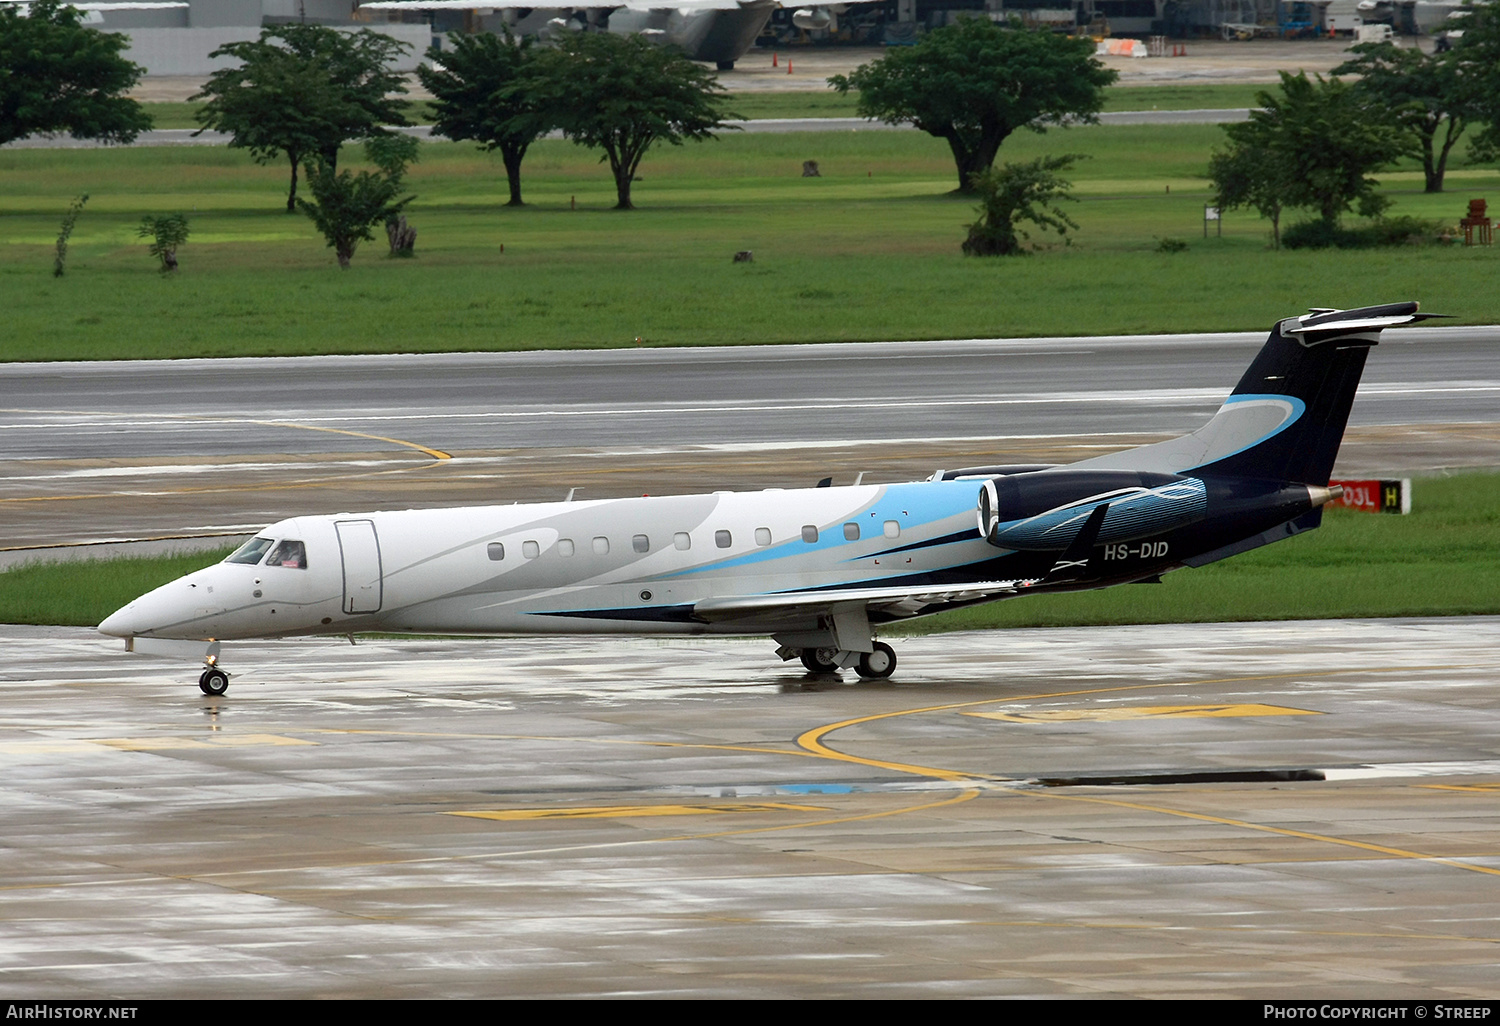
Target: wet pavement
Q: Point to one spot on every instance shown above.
(1312, 811)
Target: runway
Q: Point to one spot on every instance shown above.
(467, 819)
(144, 449)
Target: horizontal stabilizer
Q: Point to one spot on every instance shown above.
(1323, 323)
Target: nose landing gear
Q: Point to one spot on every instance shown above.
(214, 681)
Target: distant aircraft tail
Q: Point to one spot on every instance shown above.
(1285, 419)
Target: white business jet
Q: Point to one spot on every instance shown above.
(820, 570)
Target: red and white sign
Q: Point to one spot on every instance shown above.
(1375, 496)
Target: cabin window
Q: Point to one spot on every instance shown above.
(851, 532)
(290, 554)
(892, 529)
(601, 546)
(640, 543)
(565, 546)
(682, 540)
(251, 551)
(762, 536)
(495, 551)
(530, 549)
(809, 533)
(723, 539)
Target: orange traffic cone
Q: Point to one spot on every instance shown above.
(788, 65)
(773, 60)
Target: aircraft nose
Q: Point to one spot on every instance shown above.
(119, 624)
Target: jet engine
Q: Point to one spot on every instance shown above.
(1045, 511)
(815, 18)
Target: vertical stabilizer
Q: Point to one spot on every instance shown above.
(1285, 419)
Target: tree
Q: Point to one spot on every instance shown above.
(477, 86)
(166, 234)
(974, 83)
(1420, 92)
(346, 206)
(303, 91)
(1248, 174)
(58, 76)
(622, 94)
(1478, 56)
(1014, 193)
(1315, 146)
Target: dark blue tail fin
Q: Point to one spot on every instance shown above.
(1285, 419)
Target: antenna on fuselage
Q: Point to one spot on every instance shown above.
(858, 478)
(827, 482)
(570, 494)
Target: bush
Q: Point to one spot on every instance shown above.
(1403, 231)
(1170, 245)
(1314, 235)
(1388, 231)
(166, 234)
(1013, 193)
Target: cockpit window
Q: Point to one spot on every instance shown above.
(290, 554)
(251, 551)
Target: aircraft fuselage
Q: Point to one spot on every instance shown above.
(646, 565)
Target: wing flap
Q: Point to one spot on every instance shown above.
(909, 600)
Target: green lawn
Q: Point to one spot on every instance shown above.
(868, 251)
(825, 103)
(1438, 561)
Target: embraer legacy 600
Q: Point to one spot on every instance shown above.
(817, 569)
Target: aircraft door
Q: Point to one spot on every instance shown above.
(360, 550)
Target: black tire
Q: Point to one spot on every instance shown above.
(815, 662)
(214, 681)
(879, 664)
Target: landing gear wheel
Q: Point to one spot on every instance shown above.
(214, 681)
(879, 664)
(819, 660)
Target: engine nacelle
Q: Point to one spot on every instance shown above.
(813, 18)
(1045, 511)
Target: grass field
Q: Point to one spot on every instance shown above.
(1438, 561)
(825, 103)
(870, 250)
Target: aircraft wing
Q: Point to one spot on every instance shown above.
(1072, 565)
(900, 601)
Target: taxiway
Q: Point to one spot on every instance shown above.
(1219, 810)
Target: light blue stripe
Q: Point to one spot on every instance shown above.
(1298, 409)
(916, 506)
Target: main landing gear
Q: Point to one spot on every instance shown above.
(214, 681)
(876, 665)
